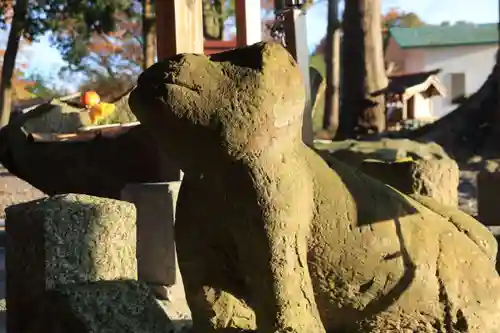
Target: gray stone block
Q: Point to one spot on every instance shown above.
(156, 260)
(65, 239)
(436, 178)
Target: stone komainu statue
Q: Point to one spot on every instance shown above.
(270, 238)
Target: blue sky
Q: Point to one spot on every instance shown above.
(45, 60)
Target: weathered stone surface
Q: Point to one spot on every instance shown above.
(57, 117)
(355, 152)
(429, 171)
(465, 223)
(437, 179)
(101, 307)
(65, 239)
(156, 260)
(488, 193)
(269, 236)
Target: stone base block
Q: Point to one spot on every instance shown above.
(62, 240)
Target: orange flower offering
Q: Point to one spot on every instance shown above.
(100, 111)
(90, 98)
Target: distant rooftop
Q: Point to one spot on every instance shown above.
(452, 35)
(399, 83)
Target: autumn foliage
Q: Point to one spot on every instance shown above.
(393, 17)
(20, 84)
(400, 18)
(112, 60)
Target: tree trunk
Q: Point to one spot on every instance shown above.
(9, 60)
(213, 20)
(363, 103)
(219, 8)
(148, 34)
(331, 114)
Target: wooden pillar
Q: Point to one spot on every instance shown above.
(179, 27)
(248, 22)
(296, 44)
(405, 101)
(332, 60)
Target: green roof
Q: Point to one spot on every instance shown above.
(454, 35)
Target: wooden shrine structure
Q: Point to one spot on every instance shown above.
(179, 28)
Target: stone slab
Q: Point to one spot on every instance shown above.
(65, 239)
(156, 259)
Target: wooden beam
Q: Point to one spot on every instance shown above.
(179, 27)
(248, 22)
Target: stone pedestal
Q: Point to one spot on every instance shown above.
(488, 191)
(156, 259)
(436, 178)
(61, 240)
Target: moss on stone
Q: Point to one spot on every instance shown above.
(411, 167)
(465, 223)
(355, 152)
(66, 239)
(101, 307)
(436, 178)
(59, 118)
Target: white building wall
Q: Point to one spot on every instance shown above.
(423, 107)
(476, 62)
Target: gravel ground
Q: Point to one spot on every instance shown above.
(14, 190)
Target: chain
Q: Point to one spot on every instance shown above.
(278, 27)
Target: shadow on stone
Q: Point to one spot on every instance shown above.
(106, 306)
